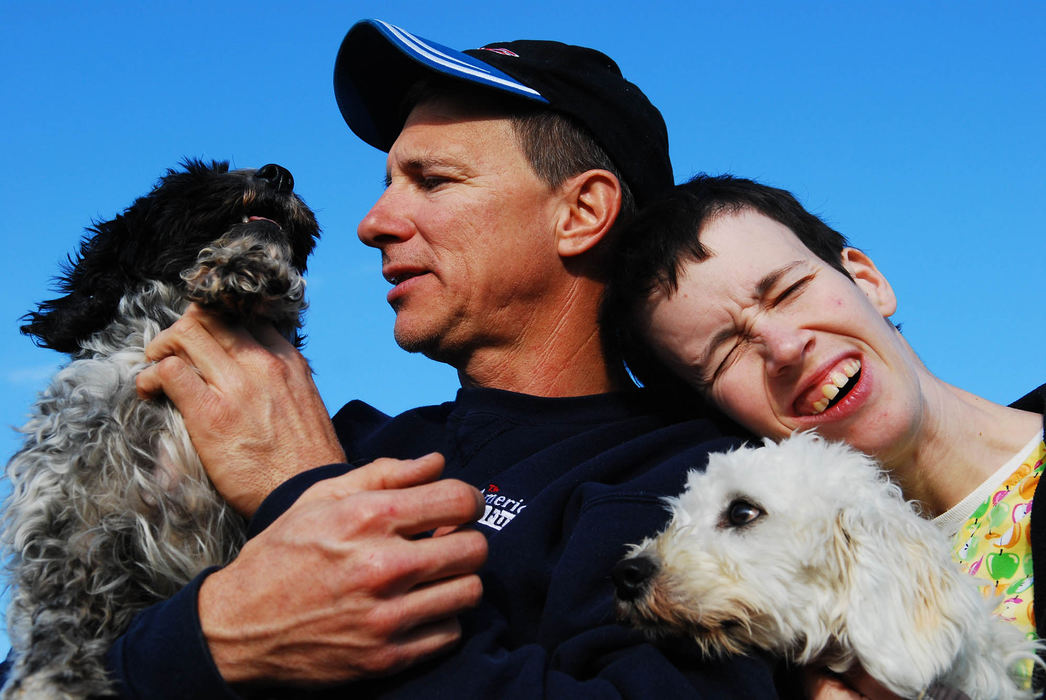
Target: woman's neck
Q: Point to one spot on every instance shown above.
(963, 440)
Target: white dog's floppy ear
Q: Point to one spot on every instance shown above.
(895, 564)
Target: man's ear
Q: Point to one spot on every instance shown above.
(590, 205)
(870, 281)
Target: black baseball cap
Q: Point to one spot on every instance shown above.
(379, 62)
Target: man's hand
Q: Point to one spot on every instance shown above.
(854, 684)
(340, 586)
(249, 403)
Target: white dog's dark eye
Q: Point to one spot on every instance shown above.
(740, 512)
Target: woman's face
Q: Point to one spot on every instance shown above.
(782, 341)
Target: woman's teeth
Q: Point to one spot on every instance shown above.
(836, 381)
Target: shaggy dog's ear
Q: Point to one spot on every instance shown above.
(894, 562)
(93, 284)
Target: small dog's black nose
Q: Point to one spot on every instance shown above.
(277, 176)
(632, 576)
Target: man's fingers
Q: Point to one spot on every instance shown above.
(208, 343)
(425, 640)
(272, 340)
(236, 339)
(825, 686)
(378, 598)
(854, 684)
(148, 383)
(433, 609)
(389, 473)
(172, 376)
(868, 687)
(380, 475)
(199, 341)
(443, 503)
(457, 554)
(405, 512)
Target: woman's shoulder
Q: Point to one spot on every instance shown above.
(1034, 400)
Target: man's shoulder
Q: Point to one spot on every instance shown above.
(663, 407)
(358, 422)
(618, 436)
(361, 412)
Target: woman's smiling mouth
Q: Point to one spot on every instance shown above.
(840, 382)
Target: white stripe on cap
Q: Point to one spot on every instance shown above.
(419, 47)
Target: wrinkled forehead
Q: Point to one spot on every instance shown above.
(440, 132)
(443, 110)
(463, 100)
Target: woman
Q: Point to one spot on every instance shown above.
(762, 308)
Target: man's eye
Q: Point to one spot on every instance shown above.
(741, 512)
(430, 182)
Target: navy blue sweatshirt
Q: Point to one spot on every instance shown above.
(568, 483)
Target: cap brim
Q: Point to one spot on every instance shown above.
(379, 62)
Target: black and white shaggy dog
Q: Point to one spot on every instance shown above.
(111, 509)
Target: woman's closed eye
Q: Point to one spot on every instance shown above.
(724, 355)
(729, 346)
(790, 291)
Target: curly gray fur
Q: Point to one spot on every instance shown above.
(111, 509)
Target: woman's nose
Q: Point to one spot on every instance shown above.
(784, 346)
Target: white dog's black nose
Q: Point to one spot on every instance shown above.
(278, 176)
(632, 576)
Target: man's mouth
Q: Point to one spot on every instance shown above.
(402, 276)
(840, 382)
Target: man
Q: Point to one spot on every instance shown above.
(508, 168)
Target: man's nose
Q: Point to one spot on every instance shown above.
(386, 222)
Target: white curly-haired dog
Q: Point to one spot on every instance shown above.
(807, 550)
(111, 509)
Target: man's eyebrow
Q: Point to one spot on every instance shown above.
(419, 163)
(422, 162)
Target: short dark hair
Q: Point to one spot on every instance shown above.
(556, 145)
(658, 242)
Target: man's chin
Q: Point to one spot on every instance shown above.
(436, 342)
(412, 344)
(414, 341)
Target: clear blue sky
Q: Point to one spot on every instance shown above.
(916, 129)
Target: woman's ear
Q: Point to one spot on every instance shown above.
(870, 281)
(591, 203)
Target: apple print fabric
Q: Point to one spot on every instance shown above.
(994, 545)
